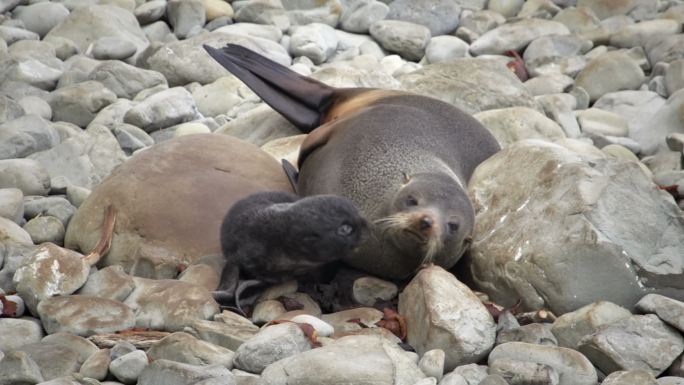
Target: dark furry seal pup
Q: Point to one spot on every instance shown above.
(272, 237)
(403, 159)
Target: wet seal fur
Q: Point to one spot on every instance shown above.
(403, 158)
(272, 237)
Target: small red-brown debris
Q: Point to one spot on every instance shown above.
(394, 322)
(140, 338)
(672, 190)
(181, 267)
(290, 304)
(309, 331)
(8, 308)
(496, 310)
(517, 66)
(105, 242)
(537, 316)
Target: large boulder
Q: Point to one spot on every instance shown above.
(560, 229)
(171, 200)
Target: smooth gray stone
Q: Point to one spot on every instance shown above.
(125, 80)
(26, 135)
(183, 347)
(440, 16)
(150, 11)
(12, 35)
(79, 103)
(54, 360)
(45, 229)
(667, 309)
(113, 48)
(27, 175)
(405, 38)
(630, 377)
(162, 110)
(41, 17)
(17, 332)
(12, 205)
(165, 372)
(128, 367)
(84, 315)
(359, 15)
(34, 105)
(187, 17)
(271, 344)
(17, 367)
(536, 333)
(9, 109)
(110, 282)
(55, 206)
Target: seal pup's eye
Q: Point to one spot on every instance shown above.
(411, 201)
(453, 227)
(345, 229)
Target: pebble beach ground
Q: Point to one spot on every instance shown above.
(575, 273)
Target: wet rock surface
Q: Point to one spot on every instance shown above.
(116, 102)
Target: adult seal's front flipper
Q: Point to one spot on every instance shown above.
(291, 172)
(299, 99)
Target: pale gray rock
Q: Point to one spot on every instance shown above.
(285, 148)
(595, 121)
(110, 282)
(84, 315)
(12, 205)
(26, 135)
(666, 49)
(515, 36)
(509, 125)
(45, 229)
(507, 8)
(591, 185)
(17, 367)
(184, 348)
(89, 23)
(33, 105)
(9, 109)
(32, 72)
(637, 35)
(187, 17)
(572, 367)
(41, 17)
(131, 138)
(121, 348)
(630, 377)
(263, 31)
(263, 13)
(674, 76)
(471, 373)
(97, 365)
(547, 47)
(56, 206)
(113, 48)
(316, 41)
(670, 380)
(221, 96)
(479, 22)
(523, 372)
(77, 195)
(445, 48)
(571, 327)
(560, 108)
(637, 342)
(353, 359)
(165, 372)
(202, 274)
(535, 333)
(8, 5)
(549, 84)
(12, 35)
(79, 103)
(606, 8)
(54, 360)
(439, 16)
(271, 344)
(466, 327)
(84, 160)
(125, 80)
(230, 332)
(455, 379)
(128, 367)
(158, 33)
(405, 38)
(352, 77)
(610, 72)
(258, 126)
(432, 363)
(359, 15)
(368, 290)
(150, 11)
(112, 116)
(36, 280)
(25, 174)
(667, 309)
(169, 304)
(82, 346)
(64, 48)
(186, 61)
(163, 109)
(473, 85)
(17, 332)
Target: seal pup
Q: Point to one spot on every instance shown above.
(404, 159)
(273, 237)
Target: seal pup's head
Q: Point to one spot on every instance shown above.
(431, 216)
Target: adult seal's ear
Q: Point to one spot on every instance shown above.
(362, 144)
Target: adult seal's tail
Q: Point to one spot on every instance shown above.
(404, 159)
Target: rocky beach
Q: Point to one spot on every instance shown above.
(575, 274)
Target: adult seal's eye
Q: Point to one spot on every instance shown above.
(345, 230)
(453, 227)
(411, 201)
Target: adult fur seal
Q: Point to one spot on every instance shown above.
(404, 159)
(272, 237)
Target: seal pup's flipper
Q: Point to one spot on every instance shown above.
(244, 285)
(300, 99)
(292, 174)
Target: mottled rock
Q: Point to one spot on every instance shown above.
(25, 135)
(15, 333)
(667, 309)
(175, 373)
(162, 110)
(182, 347)
(12, 205)
(33, 105)
(271, 344)
(84, 315)
(17, 367)
(515, 36)
(79, 103)
(187, 17)
(666, 49)
(610, 72)
(571, 327)
(509, 125)
(54, 360)
(111, 282)
(230, 332)
(432, 363)
(128, 367)
(9, 109)
(316, 41)
(97, 365)
(45, 229)
(359, 15)
(511, 269)
(26, 175)
(440, 16)
(571, 366)
(639, 34)
(536, 333)
(368, 290)
(407, 39)
(466, 327)
(630, 377)
(636, 342)
(606, 8)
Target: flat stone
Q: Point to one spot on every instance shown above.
(227, 334)
(221, 96)
(271, 344)
(407, 39)
(466, 328)
(571, 366)
(169, 304)
(599, 122)
(202, 274)
(440, 16)
(445, 48)
(110, 282)
(113, 48)
(9, 109)
(82, 346)
(54, 360)
(12, 35)
(509, 125)
(150, 11)
(85, 315)
(45, 229)
(258, 126)
(610, 72)
(667, 309)
(12, 205)
(25, 135)
(571, 327)
(162, 110)
(263, 31)
(636, 342)
(17, 367)
(515, 36)
(368, 290)
(174, 373)
(263, 13)
(55, 206)
(79, 103)
(34, 105)
(605, 8)
(97, 365)
(128, 367)
(630, 377)
(666, 49)
(184, 348)
(17, 332)
(637, 35)
(523, 372)
(358, 16)
(536, 333)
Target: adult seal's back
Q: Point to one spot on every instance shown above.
(403, 158)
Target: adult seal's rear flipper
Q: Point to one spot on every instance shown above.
(301, 100)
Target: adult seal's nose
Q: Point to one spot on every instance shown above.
(426, 222)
